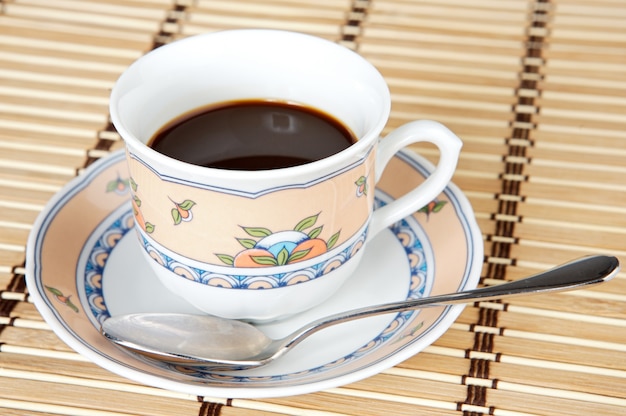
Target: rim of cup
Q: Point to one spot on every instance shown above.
(356, 151)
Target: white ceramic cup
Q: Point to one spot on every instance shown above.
(262, 245)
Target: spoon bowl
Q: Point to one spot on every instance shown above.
(226, 344)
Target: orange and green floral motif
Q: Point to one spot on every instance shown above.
(118, 185)
(267, 248)
(182, 211)
(139, 219)
(433, 207)
(411, 333)
(136, 203)
(62, 298)
(361, 186)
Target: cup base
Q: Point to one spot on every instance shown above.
(260, 305)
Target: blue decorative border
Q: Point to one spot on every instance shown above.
(94, 267)
(218, 278)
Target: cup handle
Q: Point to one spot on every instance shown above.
(417, 131)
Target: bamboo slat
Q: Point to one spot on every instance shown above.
(323, 19)
(88, 397)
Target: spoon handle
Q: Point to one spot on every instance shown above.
(575, 274)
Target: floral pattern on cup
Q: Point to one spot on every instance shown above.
(257, 245)
(361, 186)
(282, 247)
(136, 203)
(182, 211)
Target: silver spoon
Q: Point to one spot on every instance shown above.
(225, 344)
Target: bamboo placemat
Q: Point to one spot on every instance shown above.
(537, 91)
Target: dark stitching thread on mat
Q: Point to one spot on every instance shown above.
(17, 285)
(171, 25)
(509, 199)
(352, 28)
(210, 409)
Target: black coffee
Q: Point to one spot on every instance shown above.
(252, 135)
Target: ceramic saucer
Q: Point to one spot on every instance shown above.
(84, 265)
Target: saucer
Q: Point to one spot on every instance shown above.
(84, 265)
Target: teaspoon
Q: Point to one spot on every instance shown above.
(226, 344)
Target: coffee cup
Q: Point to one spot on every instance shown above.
(238, 209)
